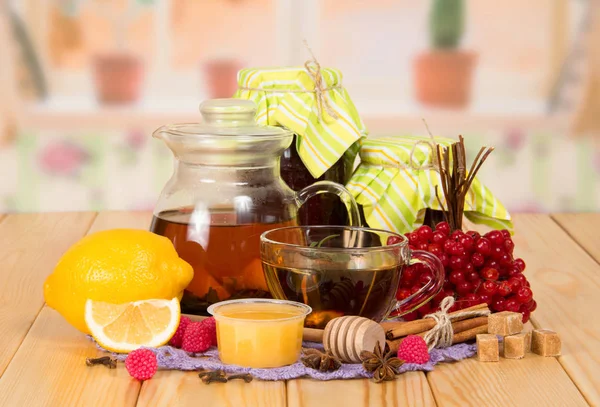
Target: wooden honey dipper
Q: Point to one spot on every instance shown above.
(347, 336)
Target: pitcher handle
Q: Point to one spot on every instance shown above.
(324, 187)
(429, 290)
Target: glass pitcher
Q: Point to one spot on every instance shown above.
(225, 191)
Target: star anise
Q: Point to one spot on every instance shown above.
(384, 367)
(323, 362)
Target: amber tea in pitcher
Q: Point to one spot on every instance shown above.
(226, 191)
(228, 267)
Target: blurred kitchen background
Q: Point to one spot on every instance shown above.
(84, 82)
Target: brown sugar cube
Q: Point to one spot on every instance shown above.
(515, 346)
(505, 323)
(487, 348)
(527, 341)
(545, 342)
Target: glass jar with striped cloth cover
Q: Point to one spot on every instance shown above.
(312, 103)
(395, 186)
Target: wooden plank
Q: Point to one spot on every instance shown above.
(533, 381)
(175, 388)
(49, 367)
(49, 370)
(30, 246)
(409, 389)
(584, 228)
(118, 219)
(565, 281)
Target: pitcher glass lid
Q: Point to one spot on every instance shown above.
(226, 117)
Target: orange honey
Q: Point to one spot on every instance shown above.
(259, 333)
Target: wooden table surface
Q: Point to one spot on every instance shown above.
(42, 358)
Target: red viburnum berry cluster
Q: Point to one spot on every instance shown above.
(478, 269)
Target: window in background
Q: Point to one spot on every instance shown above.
(244, 30)
(75, 34)
(211, 40)
(185, 43)
(375, 44)
(95, 27)
(372, 43)
(515, 41)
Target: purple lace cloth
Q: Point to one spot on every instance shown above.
(176, 359)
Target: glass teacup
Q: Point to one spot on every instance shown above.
(342, 270)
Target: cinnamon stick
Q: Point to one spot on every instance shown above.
(393, 345)
(464, 325)
(399, 329)
(459, 337)
(316, 335)
(469, 334)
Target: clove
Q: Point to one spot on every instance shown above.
(104, 360)
(216, 376)
(209, 380)
(247, 377)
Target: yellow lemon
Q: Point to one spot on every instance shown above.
(115, 266)
(125, 327)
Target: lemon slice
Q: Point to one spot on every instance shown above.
(125, 327)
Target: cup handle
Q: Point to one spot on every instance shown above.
(429, 290)
(324, 187)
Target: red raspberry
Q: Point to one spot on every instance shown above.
(212, 325)
(413, 349)
(178, 337)
(197, 337)
(141, 364)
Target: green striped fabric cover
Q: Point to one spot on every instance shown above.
(285, 97)
(395, 191)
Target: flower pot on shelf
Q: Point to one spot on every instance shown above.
(444, 78)
(221, 77)
(118, 77)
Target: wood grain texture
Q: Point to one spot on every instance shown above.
(565, 281)
(533, 381)
(584, 228)
(49, 368)
(117, 219)
(30, 246)
(175, 388)
(409, 389)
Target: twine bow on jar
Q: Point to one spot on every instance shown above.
(313, 69)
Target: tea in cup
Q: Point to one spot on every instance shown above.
(340, 270)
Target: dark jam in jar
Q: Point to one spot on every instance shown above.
(323, 209)
(433, 217)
